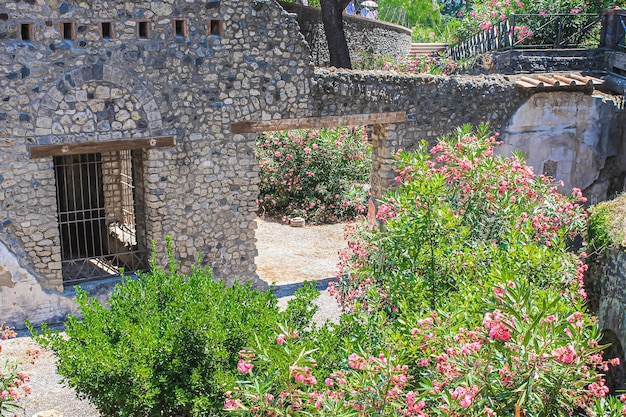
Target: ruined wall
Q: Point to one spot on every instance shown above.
(607, 298)
(575, 137)
(435, 106)
(373, 36)
(251, 63)
(233, 61)
(519, 61)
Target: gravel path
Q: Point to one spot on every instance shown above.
(287, 256)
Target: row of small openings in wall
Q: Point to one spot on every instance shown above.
(215, 28)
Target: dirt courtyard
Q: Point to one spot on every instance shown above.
(294, 254)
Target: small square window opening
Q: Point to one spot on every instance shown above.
(216, 27)
(180, 27)
(106, 30)
(143, 29)
(26, 31)
(67, 31)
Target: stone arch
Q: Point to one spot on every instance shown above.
(108, 84)
(616, 376)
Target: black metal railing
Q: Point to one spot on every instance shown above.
(556, 31)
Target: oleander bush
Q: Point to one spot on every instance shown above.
(536, 22)
(435, 65)
(464, 301)
(13, 380)
(168, 343)
(320, 175)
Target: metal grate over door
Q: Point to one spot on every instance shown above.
(100, 214)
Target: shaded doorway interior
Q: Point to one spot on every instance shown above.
(101, 215)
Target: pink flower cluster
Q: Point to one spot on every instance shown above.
(296, 181)
(498, 330)
(13, 382)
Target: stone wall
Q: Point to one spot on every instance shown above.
(528, 61)
(579, 133)
(435, 106)
(607, 298)
(575, 137)
(202, 191)
(373, 36)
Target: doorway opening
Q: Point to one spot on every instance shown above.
(101, 214)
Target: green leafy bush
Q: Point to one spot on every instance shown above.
(464, 302)
(536, 21)
(320, 175)
(168, 344)
(607, 226)
(462, 216)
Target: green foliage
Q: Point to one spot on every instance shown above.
(464, 302)
(436, 65)
(607, 226)
(539, 26)
(168, 343)
(461, 213)
(13, 381)
(320, 175)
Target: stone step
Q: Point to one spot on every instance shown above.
(426, 48)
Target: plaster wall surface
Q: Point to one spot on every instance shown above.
(22, 296)
(572, 137)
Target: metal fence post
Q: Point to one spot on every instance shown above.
(512, 36)
(560, 33)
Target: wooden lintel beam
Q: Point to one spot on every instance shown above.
(318, 122)
(44, 151)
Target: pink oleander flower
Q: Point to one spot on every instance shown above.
(230, 404)
(598, 389)
(356, 362)
(281, 339)
(565, 354)
(244, 366)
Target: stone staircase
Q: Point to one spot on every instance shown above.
(426, 49)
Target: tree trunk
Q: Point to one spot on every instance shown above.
(335, 36)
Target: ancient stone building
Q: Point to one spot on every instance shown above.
(115, 132)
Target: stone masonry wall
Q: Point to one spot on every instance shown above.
(362, 34)
(202, 191)
(607, 298)
(435, 106)
(235, 61)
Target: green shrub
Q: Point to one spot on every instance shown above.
(320, 175)
(465, 302)
(169, 343)
(607, 226)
